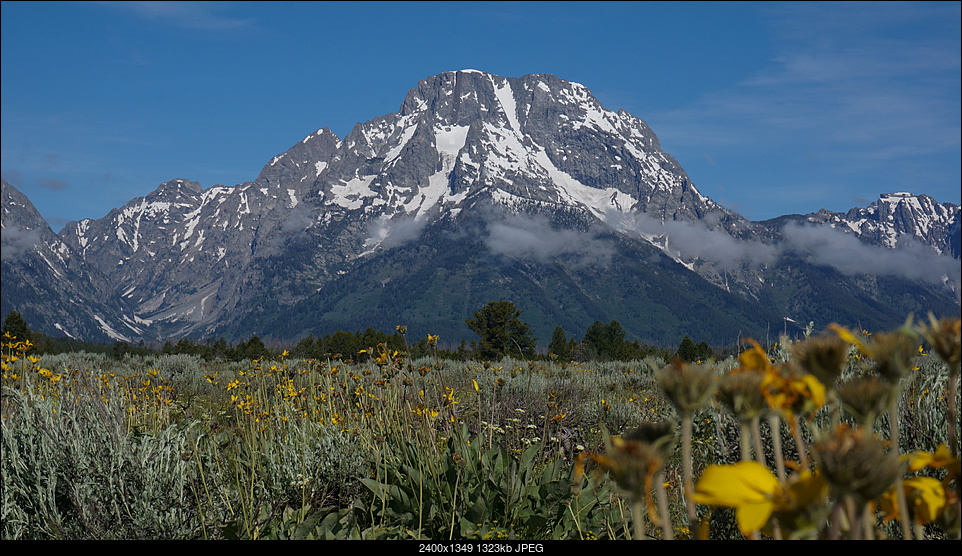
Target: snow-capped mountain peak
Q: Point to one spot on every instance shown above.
(517, 141)
(896, 218)
(472, 170)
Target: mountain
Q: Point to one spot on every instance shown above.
(898, 218)
(45, 280)
(479, 188)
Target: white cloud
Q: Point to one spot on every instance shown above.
(533, 237)
(819, 245)
(300, 219)
(390, 232)
(689, 240)
(17, 241)
(847, 254)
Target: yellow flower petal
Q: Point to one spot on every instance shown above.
(733, 485)
(806, 489)
(754, 357)
(847, 335)
(921, 460)
(816, 389)
(747, 486)
(752, 517)
(925, 495)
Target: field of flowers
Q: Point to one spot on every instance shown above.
(840, 435)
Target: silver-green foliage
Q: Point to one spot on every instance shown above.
(307, 464)
(72, 471)
(273, 486)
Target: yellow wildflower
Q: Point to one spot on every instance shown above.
(754, 357)
(938, 459)
(791, 391)
(748, 486)
(926, 498)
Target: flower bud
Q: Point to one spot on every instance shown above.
(689, 387)
(823, 356)
(855, 463)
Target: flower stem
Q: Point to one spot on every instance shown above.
(774, 426)
(899, 491)
(745, 440)
(638, 518)
(757, 441)
(663, 506)
(686, 426)
(800, 443)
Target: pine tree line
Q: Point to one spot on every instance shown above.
(500, 330)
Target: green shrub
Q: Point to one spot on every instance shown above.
(71, 471)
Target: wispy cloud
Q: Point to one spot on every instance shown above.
(838, 74)
(52, 184)
(299, 220)
(533, 237)
(193, 15)
(689, 240)
(820, 245)
(845, 253)
(388, 232)
(16, 241)
(853, 92)
(13, 177)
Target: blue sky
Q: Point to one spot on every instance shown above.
(771, 108)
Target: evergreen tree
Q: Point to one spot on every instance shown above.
(501, 332)
(17, 327)
(120, 349)
(560, 346)
(252, 349)
(703, 352)
(304, 347)
(218, 349)
(185, 346)
(606, 341)
(687, 351)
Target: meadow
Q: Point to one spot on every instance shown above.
(841, 435)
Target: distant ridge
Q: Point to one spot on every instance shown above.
(478, 188)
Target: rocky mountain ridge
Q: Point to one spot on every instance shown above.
(542, 178)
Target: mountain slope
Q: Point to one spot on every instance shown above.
(49, 284)
(434, 284)
(897, 218)
(480, 188)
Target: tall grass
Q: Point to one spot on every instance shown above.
(391, 448)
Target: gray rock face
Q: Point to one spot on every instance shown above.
(48, 282)
(534, 168)
(900, 217)
(532, 139)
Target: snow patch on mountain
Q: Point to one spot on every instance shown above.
(598, 201)
(351, 194)
(113, 334)
(508, 105)
(897, 219)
